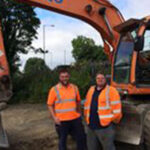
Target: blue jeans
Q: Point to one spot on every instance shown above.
(75, 129)
(101, 139)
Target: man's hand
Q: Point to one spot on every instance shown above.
(57, 121)
(79, 107)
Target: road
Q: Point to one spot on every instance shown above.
(29, 127)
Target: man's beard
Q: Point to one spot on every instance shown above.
(64, 83)
(103, 85)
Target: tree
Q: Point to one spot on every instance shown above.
(35, 65)
(34, 83)
(85, 49)
(19, 27)
(90, 59)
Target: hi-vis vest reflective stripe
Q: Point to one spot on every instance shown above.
(109, 106)
(65, 101)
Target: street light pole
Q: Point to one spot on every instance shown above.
(44, 40)
(64, 57)
(51, 59)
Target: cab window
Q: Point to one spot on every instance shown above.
(123, 60)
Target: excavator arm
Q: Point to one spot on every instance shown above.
(101, 14)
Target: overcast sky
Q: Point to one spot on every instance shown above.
(59, 37)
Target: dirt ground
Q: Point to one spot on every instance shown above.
(29, 127)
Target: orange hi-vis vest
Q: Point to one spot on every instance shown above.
(109, 105)
(65, 101)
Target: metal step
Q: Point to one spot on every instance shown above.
(3, 136)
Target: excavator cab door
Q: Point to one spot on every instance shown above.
(143, 58)
(123, 56)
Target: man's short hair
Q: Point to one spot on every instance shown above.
(63, 71)
(100, 72)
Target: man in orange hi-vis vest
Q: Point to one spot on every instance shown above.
(102, 111)
(64, 105)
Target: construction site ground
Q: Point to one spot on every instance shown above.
(29, 127)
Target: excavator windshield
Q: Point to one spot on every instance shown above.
(122, 65)
(143, 62)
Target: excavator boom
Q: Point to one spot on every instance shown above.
(101, 14)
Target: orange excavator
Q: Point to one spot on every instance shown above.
(127, 44)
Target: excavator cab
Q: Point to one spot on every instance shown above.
(132, 58)
(131, 76)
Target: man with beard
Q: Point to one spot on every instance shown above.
(102, 111)
(64, 105)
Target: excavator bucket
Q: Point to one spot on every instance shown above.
(3, 137)
(130, 128)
